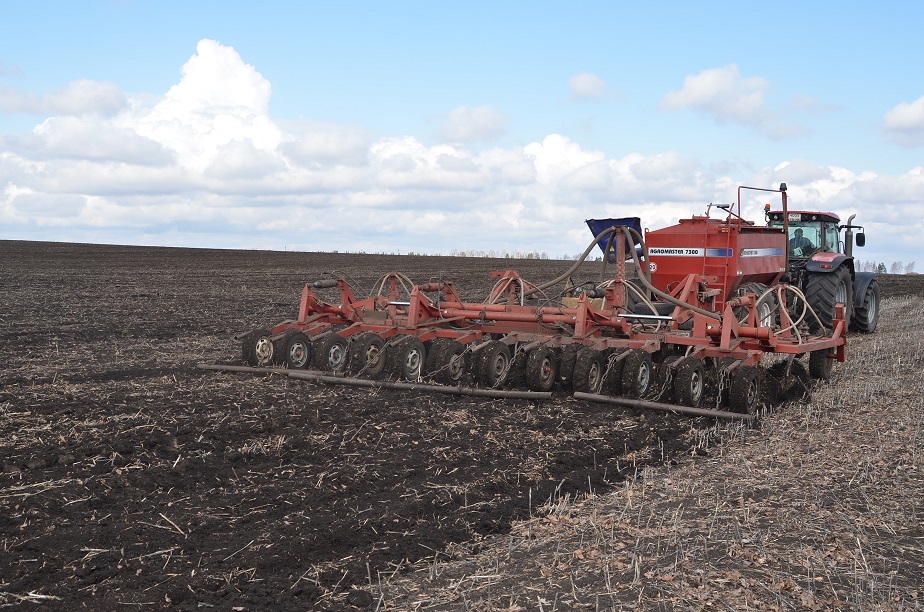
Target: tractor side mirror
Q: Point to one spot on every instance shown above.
(861, 239)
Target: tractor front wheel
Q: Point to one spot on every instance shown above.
(866, 317)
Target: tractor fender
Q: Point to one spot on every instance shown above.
(860, 285)
(828, 262)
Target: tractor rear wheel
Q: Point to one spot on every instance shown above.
(494, 365)
(689, 383)
(823, 291)
(257, 348)
(589, 368)
(745, 390)
(866, 317)
(541, 369)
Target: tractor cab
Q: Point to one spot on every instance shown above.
(809, 232)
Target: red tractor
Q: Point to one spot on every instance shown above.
(820, 263)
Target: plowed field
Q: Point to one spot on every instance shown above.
(130, 479)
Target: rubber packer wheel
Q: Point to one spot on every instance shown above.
(541, 369)
(296, 350)
(367, 355)
(257, 348)
(589, 368)
(637, 374)
(567, 355)
(406, 358)
(689, 383)
(613, 371)
(820, 365)
(330, 353)
(446, 361)
(745, 390)
(494, 365)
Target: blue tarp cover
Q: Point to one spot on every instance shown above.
(598, 225)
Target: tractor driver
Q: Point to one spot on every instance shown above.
(798, 241)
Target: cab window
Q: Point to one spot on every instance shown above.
(831, 238)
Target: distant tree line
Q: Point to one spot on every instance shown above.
(897, 267)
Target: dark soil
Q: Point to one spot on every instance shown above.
(132, 479)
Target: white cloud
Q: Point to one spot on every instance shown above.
(723, 94)
(586, 85)
(219, 99)
(905, 123)
(206, 165)
(93, 138)
(470, 124)
(80, 97)
(727, 97)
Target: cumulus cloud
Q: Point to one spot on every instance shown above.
(585, 85)
(470, 124)
(219, 99)
(905, 123)
(728, 97)
(205, 164)
(80, 97)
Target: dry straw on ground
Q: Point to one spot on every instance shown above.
(821, 507)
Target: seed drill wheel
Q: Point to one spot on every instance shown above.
(405, 358)
(257, 348)
(541, 369)
(296, 350)
(494, 365)
(689, 383)
(330, 353)
(446, 361)
(366, 355)
(589, 368)
(637, 374)
(666, 374)
(820, 364)
(745, 390)
(765, 316)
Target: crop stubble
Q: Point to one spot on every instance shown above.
(130, 477)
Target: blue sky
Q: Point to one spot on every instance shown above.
(433, 127)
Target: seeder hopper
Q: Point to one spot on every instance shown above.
(682, 317)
